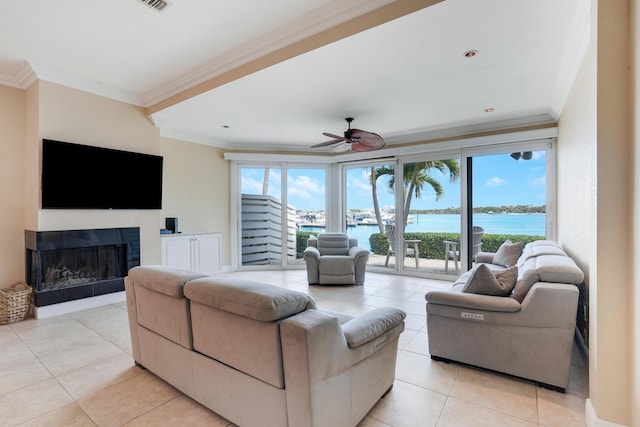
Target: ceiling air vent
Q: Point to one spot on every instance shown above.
(158, 5)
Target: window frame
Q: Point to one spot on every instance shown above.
(463, 148)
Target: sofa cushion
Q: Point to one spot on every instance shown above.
(163, 279)
(539, 248)
(483, 281)
(508, 253)
(333, 243)
(558, 269)
(254, 300)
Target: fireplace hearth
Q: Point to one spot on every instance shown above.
(68, 265)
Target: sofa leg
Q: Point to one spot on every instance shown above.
(387, 392)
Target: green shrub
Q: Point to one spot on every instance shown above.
(301, 241)
(432, 245)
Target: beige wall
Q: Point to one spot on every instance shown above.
(197, 189)
(596, 207)
(611, 373)
(635, 209)
(12, 134)
(195, 184)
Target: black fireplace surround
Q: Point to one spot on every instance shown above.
(74, 264)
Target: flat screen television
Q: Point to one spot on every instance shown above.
(78, 176)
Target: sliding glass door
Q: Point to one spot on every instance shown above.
(369, 214)
(508, 198)
(261, 217)
(273, 229)
(306, 198)
(431, 207)
(428, 214)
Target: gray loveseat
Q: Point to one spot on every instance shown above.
(527, 333)
(257, 354)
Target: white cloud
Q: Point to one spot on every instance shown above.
(251, 186)
(306, 188)
(538, 181)
(495, 182)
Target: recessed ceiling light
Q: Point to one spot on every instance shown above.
(470, 53)
(489, 110)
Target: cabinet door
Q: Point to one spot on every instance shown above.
(176, 252)
(207, 253)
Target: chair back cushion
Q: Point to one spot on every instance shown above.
(333, 243)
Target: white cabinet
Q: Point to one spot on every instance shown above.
(198, 252)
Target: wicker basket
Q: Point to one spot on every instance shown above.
(15, 305)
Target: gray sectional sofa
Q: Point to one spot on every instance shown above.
(526, 331)
(260, 355)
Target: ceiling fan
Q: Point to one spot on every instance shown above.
(353, 139)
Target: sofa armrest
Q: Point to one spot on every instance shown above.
(357, 252)
(371, 325)
(547, 305)
(550, 304)
(314, 344)
(473, 301)
(485, 257)
(311, 252)
(327, 382)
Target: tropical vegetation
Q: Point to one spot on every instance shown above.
(416, 176)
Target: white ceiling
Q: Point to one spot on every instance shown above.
(406, 79)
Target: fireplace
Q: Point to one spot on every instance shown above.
(68, 265)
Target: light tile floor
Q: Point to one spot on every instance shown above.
(77, 370)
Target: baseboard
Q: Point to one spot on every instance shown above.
(593, 420)
(78, 305)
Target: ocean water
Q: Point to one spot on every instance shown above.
(527, 224)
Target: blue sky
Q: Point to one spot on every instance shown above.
(497, 180)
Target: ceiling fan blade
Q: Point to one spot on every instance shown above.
(343, 146)
(357, 146)
(324, 144)
(369, 139)
(341, 138)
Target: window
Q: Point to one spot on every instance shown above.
(370, 207)
(501, 190)
(273, 229)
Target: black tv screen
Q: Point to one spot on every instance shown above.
(78, 176)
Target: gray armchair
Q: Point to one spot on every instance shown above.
(335, 259)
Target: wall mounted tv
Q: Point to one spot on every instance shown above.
(78, 176)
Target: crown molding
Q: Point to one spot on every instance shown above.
(29, 73)
(495, 131)
(448, 146)
(87, 85)
(22, 79)
(469, 128)
(574, 52)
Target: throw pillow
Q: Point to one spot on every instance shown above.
(483, 281)
(508, 253)
(522, 287)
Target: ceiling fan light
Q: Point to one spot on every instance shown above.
(515, 156)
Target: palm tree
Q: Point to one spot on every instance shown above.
(416, 175)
